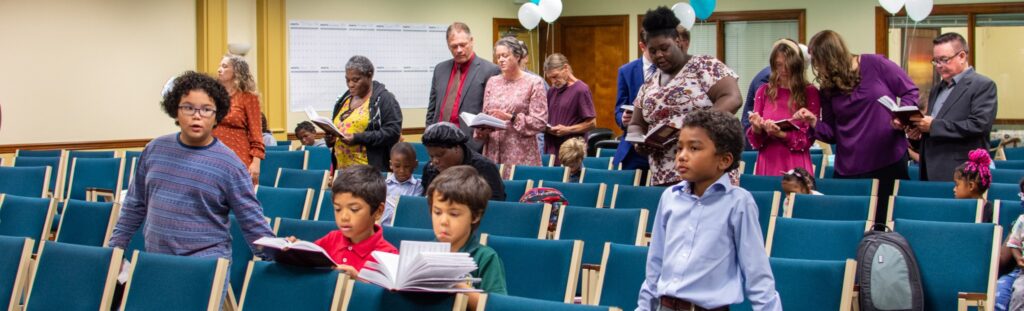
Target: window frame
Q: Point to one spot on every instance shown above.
(971, 10)
(720, 18)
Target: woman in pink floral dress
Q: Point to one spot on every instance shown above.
(683, 83)
(516, 97)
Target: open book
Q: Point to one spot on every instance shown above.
(786, 125)
(903, 113)
(321, 122)
(420, 266)
(299, 253)
(483, 120)
(661, 137)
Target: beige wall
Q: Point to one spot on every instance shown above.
(242, 28)
(478, 14)
(88, 70)
(1000, 56)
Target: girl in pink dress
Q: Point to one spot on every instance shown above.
(519, 99)
(786, 92)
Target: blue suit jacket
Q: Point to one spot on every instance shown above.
(631, 78)
(760, 79)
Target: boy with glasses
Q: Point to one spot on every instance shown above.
(187, 183)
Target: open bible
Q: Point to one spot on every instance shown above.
(483, 120)
(420, 266)
(321, 122)
(903, 113)
(661, 137)
(786, 125)
(298, 253)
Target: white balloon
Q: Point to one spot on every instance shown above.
(918, 10)
(892, 6)
(550, 10)
(529, 15)
(685, 14)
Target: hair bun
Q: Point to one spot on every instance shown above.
(979, 157)
(660, 18)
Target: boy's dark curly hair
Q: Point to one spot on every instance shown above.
(724, 129)
(660, 22)
(191, 80)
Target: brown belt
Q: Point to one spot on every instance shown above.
(683, 305)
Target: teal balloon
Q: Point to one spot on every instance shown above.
(537, 2)
(703, 8)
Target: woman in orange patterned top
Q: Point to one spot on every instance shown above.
(368, 116)
(242, 128)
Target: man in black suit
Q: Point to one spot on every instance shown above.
(458, 83)
(961, 110)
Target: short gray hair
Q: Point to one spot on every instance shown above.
(360, 64)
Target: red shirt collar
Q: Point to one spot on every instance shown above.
(364, 248)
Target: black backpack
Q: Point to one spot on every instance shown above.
(887, 273)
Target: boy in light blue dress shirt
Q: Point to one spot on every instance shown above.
(706, 248)
(400, 181)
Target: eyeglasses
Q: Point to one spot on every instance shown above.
(204, 112)
(945, 59)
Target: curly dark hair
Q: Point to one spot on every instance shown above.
(660, 22)
(723, 128)
(364, 182)
(191, 80)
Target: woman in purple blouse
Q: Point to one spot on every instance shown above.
(868, 145)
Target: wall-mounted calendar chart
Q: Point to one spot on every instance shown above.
(404, 56)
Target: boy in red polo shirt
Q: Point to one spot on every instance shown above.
(358, 194)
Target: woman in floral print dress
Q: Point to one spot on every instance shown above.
(518, 98)
(683, 83)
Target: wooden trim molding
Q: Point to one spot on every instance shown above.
(405, 131)
(138, 143)
(1009, 122)
(211, 34)
(720, 18)
(969, 10)
(85, 145)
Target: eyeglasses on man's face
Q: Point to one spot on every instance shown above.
(944, 60)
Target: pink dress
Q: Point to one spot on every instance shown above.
(777, 155)
(526, 100)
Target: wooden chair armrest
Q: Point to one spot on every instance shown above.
(94, 194)
(972, 296)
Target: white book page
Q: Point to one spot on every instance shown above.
(409, 250)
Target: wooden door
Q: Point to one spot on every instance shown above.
(596, 47)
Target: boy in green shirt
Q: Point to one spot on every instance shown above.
(458, 199)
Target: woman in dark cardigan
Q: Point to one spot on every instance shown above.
(368, 117)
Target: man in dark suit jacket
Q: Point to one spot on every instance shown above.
(458, 83)
(631, 78)
(961, 110)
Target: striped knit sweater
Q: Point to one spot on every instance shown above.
(184, 194)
